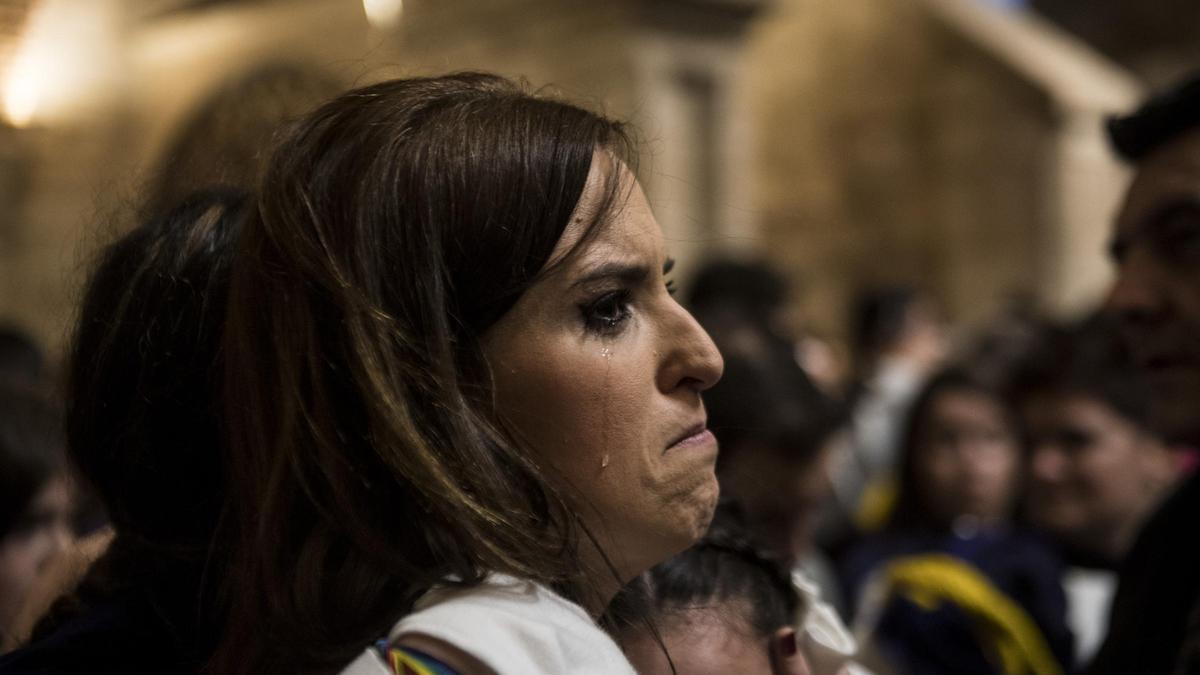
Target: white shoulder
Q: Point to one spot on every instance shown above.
(516, 627)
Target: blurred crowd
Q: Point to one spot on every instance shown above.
(1016, 498)
(960, 499)
(924, 500)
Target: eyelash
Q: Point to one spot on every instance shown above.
(606, 315)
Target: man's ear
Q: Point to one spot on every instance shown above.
(786, 658)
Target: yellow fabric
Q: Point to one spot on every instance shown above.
(876, 503)
(929, 580)
(403, 662)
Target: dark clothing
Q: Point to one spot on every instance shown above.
(123, 635)
(943, 639)
(148, 625)
(1158, 590)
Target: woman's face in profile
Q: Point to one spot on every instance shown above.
(599, 370)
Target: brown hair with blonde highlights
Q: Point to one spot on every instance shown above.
(395, 224)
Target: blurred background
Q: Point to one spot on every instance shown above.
(952, 145)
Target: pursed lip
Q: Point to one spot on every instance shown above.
(693, 431)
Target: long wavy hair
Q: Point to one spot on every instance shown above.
(394, 225)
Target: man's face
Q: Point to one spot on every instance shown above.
(1156, 248)
(1094, 475)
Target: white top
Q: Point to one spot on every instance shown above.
(827, 645)
(512, 626)
(1089, 596)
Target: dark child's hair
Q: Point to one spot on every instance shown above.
(725, 571)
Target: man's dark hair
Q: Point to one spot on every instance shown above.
(1091, 360)
(1158, 121)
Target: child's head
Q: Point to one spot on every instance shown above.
(721, 606)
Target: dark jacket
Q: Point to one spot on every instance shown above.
(1158, 591)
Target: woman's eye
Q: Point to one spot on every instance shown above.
(607, 314)
(671, 289)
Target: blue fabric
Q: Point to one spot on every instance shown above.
(942, 641)
(430, 663)
(127, 635)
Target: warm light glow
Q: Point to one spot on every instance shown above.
(63, 63)
(383, 13)
(21, 92)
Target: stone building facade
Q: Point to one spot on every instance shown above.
(848, 141)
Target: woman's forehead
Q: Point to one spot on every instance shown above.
(626, 231)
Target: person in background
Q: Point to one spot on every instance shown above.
(22, 363)
(898, 342)
(950, 585)
(722, 606)
(752, 295)
(1155, 622)
(142, 430)
(777, 432)
(1097, 470)
(35, 501)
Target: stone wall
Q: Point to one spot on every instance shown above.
(895, 148)
(866, 142)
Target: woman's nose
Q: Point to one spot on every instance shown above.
(691, 359)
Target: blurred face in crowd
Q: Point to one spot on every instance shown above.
(1156, 247)
(715, 641)
(781, 495)
(600, 371)
(967, 458)
(1093, 474)
(923, 340)
(43, 533)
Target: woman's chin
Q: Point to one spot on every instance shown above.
(697, 513)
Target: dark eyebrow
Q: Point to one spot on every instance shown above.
(668, 265)
(630, 275)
